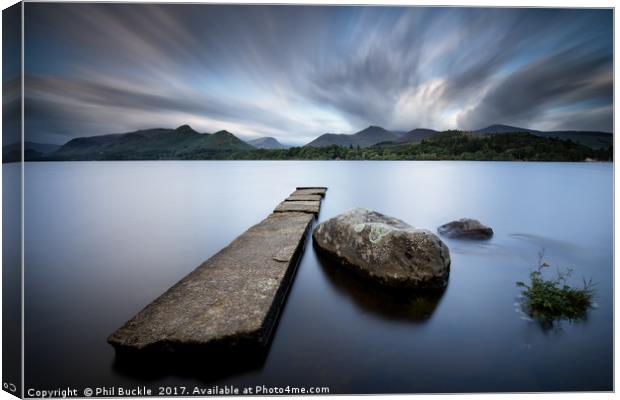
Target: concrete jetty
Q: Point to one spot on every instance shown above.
(233, 298)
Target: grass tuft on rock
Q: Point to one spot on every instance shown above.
(554, 299)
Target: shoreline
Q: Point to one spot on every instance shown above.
(306, 160)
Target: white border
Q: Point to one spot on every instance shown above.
(477, 3)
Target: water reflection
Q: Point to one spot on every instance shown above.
(570, 250)
(548, 326)
(204, 365)
(387, 303)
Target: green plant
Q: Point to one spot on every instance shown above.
(554, 299)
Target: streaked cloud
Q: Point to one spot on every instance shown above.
(295, 72)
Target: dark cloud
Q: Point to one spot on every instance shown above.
(11, 110)
(563, 79)
(11, 74)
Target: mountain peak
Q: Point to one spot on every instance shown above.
(185, 129)
(267, 142)
(373, 128)
(500, 128)
(416, 135)
(374, 134)
(423, 130)
(222, 132)
(365, 138)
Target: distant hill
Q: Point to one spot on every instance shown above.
(415, 136)
(267, 143)
(329, 139)
(593, 139)
(182, 142)
(497, 128)
(28, 145)
(364, 138)
(12, 152)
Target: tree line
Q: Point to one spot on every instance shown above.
(451, 145)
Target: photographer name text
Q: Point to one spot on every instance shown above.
(143, 391)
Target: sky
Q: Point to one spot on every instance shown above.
(296, 72)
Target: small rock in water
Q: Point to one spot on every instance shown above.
(466, 228)
(385, 249)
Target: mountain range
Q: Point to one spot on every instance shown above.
(374, 135)
(151, 144)
(186, 143)
(364, 138)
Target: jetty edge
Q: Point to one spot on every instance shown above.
(233, 299)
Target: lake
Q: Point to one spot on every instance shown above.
(103, 239)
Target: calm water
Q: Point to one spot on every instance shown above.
(103, 239)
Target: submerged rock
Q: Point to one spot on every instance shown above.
(385, 249)
(466, 228)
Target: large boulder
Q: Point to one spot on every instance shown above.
(466, 228)
(385, 249)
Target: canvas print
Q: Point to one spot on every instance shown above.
(232, 199)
